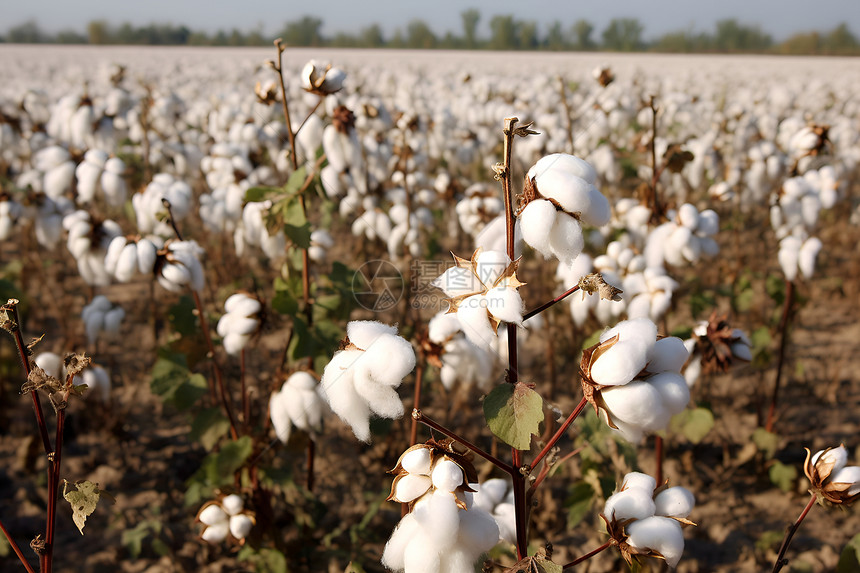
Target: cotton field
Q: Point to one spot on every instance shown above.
(322, 310)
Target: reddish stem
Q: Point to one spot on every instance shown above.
(783, 341)
(312, 447)
(550, 303)
(780, 558)
(37, 403)
(588, 555)
(16, 549)
(559, 433)
(658, 455)
(416, 402)
(246, 405)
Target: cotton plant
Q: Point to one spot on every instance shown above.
(684, 239)
(479, 205)
(362, 378)
(241, 321)
(715, 347)
(633, 379)
(496, 497)
(10, 212)
(225, 519)
(559, 197)
(57, 170)
(445, 532)
(298, 404)
(646, 521)
(483, 291)
(149, 207)
(322, 78)
(253, 232)
(98, 174)
(832, 480)
(102, 319)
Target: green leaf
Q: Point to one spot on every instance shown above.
(513, 413)
(765, 441)
(132, 539)
(264, 560)
(4, 547)
(694, 424)
(175, 384)
(782, 476)
(296, 225)
(578, 502)
(218, 468)
(208, 427)
(849, 560)
(775, 287)
(769, 540)
(255, 194)
(182, 316)
(296, 180)
(83, 499)
(285, 301)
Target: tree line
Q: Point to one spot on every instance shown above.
(506, 33)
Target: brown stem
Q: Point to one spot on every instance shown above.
(550, 303)
(781, 561)
(656, 212)
(559, 433)
(430, 423)
(544, 470)
(588, 555)
(25, 362)
(53, 490)
(416, 402)
(219, 380)
(658, 456)
(16, 549)
(783, 341)
(286, 109)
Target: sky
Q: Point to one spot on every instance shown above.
(780, 18)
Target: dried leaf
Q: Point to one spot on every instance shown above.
(83, 499)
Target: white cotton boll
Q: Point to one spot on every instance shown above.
(693, 371)
(410, 487)
(667, 355)
(457, 281)
(674, 502)
(640, 306)
(242, 305)
(536, 220)
(443, 326)
(216, 533)
(447, 475)
(441, 519)
(660, 534)
(93, 324)
(688, 215)
(279, 416)
(395, 549)
(836, 456)
(638, 480)
(363, 333)
(112, 320)
(417, 461)
(449, 376)
(212, 514)
(388, 360)
(566, 240)
(506, 520)
(114, 250)
(490, 265)
(478, 531)
(58, 180)
(709, 246)
(788, 256)
(629, 504)
(641, 329)
(176, 275)
(234, 342)
(475, 321)
(421, 556)
(505, 304)
(491, 493)
(382, 400)
(598, 212)
(850, 474)
(673, 389)
(569, 191)
(566, 163)
(807, 255)
(126, 265)
(87, 174)
(323, 238)
(338, 390)
(673, 251)
(742, 351)
(637, 404)
(232, 504)
(621, 363)
(240, 526)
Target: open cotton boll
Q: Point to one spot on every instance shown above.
(667, 355)
(363, 333)
(850, 474)
(410, 487)
(637, 404)
(472, 313)
(338, 389)
(51, 363)
(395, 549)
(490, 493)
(621, 363)
(387, 360)
(565, 163)
(632, 503)
(505, 304)
(447, 475)
(639, 480)
(417, 461)
(382, 400)
(788, 256)
(674, 502)
(807, 255)
(232, 504)
(240, 526)
(212, 514)
(673, 389)
(440, 518)
(216, 533)
(536, 219)
(479, 532)
(490, 265)
(660, 534)
(565, 238)
(836, 456)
